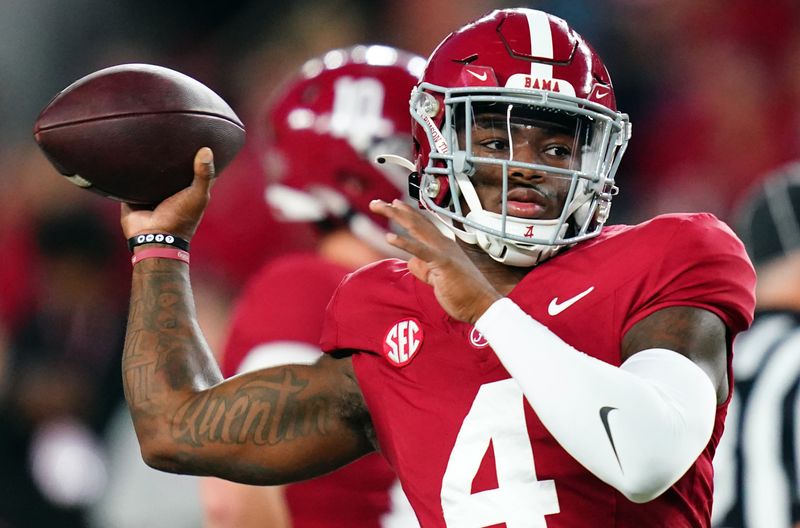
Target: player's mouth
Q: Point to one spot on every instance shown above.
(526, 202)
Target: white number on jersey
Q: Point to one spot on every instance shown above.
(497, 416)
(358, 112)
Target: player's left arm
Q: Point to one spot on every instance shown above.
(696, 333)
(642, 424)
(637, 427)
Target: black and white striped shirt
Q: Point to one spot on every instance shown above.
(757, 479)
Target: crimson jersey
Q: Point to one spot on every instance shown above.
(450, 418)
(285, 303)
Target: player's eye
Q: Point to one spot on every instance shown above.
(558, 151)
(495, 144)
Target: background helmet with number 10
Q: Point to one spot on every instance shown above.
(325, 128)
(525, 68)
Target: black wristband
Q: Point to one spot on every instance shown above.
(158, 238)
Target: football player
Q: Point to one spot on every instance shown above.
(537, 369)
(343, 107)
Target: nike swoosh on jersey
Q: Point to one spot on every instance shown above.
(481, 77)
(555, 307)
(604, 418)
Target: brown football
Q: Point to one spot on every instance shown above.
(130, 132)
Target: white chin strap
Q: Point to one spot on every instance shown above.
(512, 253)
(500, 249)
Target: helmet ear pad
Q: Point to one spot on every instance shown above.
(443, 197)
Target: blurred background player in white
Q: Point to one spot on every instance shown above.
(757, 478)
(323, 130)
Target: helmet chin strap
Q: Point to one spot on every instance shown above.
(501, 250)
(509, 252)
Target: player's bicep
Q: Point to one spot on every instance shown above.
(274, 425)
(693, 332)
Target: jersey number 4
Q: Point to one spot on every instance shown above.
(520, 500)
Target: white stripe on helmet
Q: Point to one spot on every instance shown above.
(541, 43)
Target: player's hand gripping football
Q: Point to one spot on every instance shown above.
(459, 286)
(179, 214)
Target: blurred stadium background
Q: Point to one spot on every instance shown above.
(712, 88)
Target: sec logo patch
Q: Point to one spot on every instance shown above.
(402, 342)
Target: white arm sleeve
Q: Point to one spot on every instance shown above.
(638, 427)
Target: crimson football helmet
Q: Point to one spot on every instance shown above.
(326, 127)
(523, 67)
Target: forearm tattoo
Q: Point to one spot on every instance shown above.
(159, 336)
(166, 356)
(138, 368)
(263, 411)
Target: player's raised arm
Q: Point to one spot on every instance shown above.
(266, 427)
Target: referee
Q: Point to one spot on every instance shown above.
(757, 465)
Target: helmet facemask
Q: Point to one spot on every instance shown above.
(543, 148)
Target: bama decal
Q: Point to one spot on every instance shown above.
(520, 80)
(402, 342)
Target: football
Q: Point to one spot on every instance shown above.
(130, 132)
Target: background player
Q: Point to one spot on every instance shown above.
(343, 107)
(756, 478)
(620, 399)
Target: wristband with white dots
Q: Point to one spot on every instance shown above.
(158, 238)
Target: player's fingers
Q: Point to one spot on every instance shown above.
(409, 219)
(419, 269)
(420, 226)
(412, 246)
(204, 171)
(380, 207)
